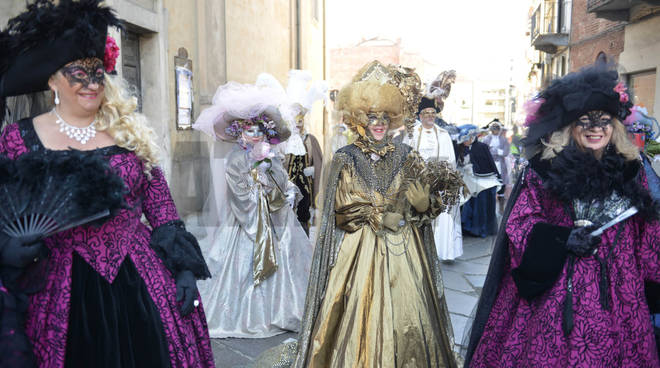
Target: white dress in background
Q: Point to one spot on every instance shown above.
(435, 144)
(236, 304)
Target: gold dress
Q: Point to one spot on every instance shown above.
(375, 297)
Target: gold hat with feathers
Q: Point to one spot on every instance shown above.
(378, 88)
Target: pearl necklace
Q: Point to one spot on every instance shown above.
(81, 135)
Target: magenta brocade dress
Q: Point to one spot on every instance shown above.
(520, 333)
(116, 252)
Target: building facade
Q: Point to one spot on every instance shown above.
(569, 35)
(550, 29)
(344, 62)
(627, 32)
(592, 36)
(477, 102)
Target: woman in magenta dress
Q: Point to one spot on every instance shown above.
(556, 294)
(122, 294)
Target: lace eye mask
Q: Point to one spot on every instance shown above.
(84, 71)
(594, 119)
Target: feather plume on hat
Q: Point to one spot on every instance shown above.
(38, 42)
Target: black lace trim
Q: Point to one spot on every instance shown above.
(381, 173)
(179, 250)
(574, 174)
(33, 143)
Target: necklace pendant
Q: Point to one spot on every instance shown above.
(81, 135)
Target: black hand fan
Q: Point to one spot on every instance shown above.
(45, 192)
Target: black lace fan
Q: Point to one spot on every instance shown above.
(48, 192)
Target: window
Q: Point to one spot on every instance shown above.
(130, 55)
(641, 88)
(565, 16)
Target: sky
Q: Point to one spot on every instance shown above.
(476, 37)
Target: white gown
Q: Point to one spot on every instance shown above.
(435, 144)
(235, 304)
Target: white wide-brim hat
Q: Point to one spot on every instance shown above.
(235, 101)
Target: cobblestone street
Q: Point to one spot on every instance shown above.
(463, 281)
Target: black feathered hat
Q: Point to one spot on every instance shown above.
(44, 38)
(595, 87)
(425, 103)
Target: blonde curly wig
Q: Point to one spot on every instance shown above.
(561, 138)
(359, 98)
(130, 129)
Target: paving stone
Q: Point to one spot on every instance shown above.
(226, 357)
(477, 281)
(460, 303)
(477, 249)
(482, 260)
(467, 268)
(455, 281)
(458, 324)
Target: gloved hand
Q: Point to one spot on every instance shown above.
(580, 242)
(418, 196)
(391, 220)
(19, 252)
(308, 171)
(186, 291)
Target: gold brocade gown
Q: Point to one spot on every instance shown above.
(380, 307)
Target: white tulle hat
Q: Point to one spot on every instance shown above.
(235, 101)
(298, 98)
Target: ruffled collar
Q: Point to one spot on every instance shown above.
(370, 147)
(576, 175)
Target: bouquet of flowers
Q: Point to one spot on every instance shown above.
(643, 129)
(263, 121)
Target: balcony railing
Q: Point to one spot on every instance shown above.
(608, 5)
(616, 9)
(550, 25)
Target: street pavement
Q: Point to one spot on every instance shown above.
(463, 280)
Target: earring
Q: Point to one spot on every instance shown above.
(57, 98)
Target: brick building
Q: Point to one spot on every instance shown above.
(344, 62)
(592, 35)
(632, 39)
(569, 34)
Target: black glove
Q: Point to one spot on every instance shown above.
(21, 251)
(186, 291)
(580, 242)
